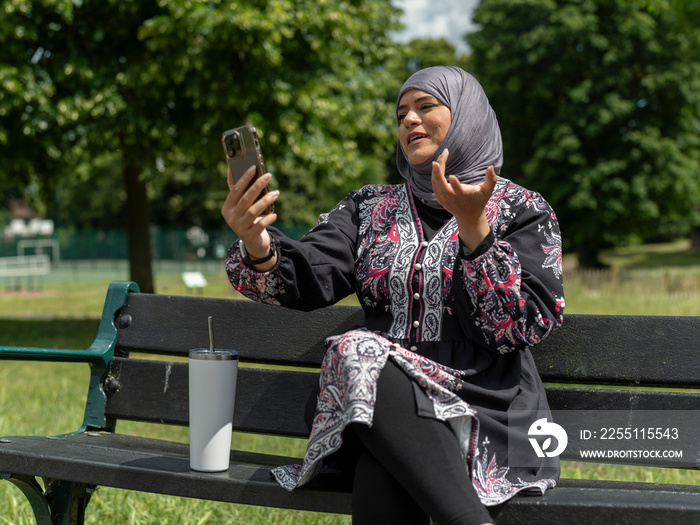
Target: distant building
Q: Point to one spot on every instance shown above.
(24, 221)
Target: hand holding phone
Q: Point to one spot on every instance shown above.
(242, 150)
(245, 162)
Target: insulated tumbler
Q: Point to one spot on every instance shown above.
(212, 383)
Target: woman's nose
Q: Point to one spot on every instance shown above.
(411, 118)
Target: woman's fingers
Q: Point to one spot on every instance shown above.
(229, 179)
(457, 187)
(439, 164)
(249, 199)
(257, 209)
(464, 200)
(438, 175)
(242, 210)
(490, 183)
(236, 189)
(245, 183)
(244, 195)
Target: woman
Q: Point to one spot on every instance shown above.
(459, 274)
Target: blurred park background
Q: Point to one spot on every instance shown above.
(111, 165)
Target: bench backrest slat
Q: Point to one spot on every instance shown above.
(631, 350)
(596, 349)
(578, 399)
(267, 401)
(172, 325)
(272, 401)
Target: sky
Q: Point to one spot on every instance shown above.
(437, 18)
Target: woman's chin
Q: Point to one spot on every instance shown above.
(418, 159)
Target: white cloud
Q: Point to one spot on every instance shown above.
(450, 19)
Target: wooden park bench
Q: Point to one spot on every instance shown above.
(587, 352)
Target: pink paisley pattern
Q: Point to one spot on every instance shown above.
(262, 287)
(493, 281)
(388, 243)
(349, 376)
(378, 242)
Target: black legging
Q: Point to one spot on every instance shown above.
(408, 468)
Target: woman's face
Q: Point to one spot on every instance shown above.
(423, 124)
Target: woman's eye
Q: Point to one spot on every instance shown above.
(400, 117)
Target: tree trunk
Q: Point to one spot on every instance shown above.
(695, 235)
(589, 255)
(695, 238)
(138, 223)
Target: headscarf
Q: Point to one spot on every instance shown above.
(473, 139)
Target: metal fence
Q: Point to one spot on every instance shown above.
(171, 244)
(84, 256)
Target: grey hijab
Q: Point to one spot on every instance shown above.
(474, 138)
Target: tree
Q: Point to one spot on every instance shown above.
(598, 101)
(158, 81)
(427, 52)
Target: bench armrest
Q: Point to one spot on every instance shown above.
(94, 354)
(100, 351)
(98, 355)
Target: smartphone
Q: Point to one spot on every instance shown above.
(242, 150)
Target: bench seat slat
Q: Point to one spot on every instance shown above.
(163, 467)
(626, 410)
(582, 502)
(267, 401)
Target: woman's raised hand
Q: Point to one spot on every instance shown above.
(466, 202)
(242, 212)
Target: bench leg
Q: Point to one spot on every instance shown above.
(35, 495)
(67, 501)
(61, 503)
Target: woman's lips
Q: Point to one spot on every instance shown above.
(414, 138)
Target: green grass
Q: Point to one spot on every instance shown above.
(662, 279)
(48, 398)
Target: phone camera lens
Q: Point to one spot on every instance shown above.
(233, 145)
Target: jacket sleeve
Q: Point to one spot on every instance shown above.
(514, 287)
(315, 271)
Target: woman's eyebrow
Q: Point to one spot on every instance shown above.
(419, 99)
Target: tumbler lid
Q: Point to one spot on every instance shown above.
(216, 355)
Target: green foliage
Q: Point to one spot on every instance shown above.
(89, 88)
(159, 81)
(156, 83)
(599, 104)
(308, 74)
(421, 53)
